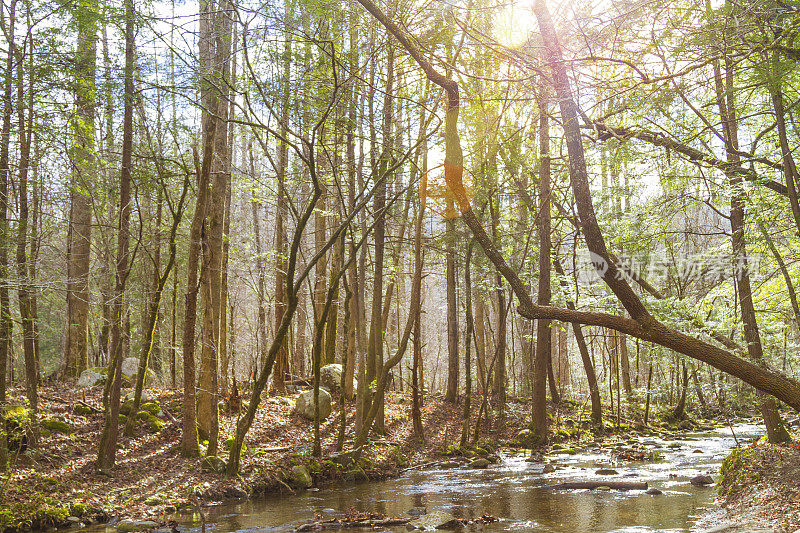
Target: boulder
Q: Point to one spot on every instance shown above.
(542, 468)
(479, 463)
(435, 520)
(128, 525)
(153, 408)
(81, 409)
(91, 377)
(606, 472)
(300, 477)
(652, 491)
(305, 404)
(701, 480)
(130, 367)
(59, 426)
(214, 464)
(330, 377)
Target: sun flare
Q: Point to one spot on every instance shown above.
(514, 24)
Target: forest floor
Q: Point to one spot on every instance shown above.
(58, 480)
(151, 479)
(760, 484)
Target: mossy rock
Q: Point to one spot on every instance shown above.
(300, 477)
(213, 463)
(152, 423)
(80, 409)
(57, 426)
(564, 451)
(126, 408)
(17, 421)
(153, 408)
(524, 435)
(479, 463)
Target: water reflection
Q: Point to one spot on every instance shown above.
(509, 491)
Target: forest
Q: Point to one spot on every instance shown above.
(253, 247)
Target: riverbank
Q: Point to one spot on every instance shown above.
(57, 483)
(760, 484)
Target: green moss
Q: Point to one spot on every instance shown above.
(737, 470)
(58, 426)
(152, 423)
(37, 512)
(79, 509)
(151, 407)
(17, 422)
(80, 409)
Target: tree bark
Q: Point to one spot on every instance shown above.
(586, 359)
(451, 394)
(216, 30)
(5, 174)
(84, 171)
(107, 449)
(25, 288)
(727, 110)
(543, 348)
(466, 413)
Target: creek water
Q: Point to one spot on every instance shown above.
(511, 491)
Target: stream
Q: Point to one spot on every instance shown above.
(509, 490)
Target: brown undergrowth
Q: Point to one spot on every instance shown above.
(761, 483)
(58, 479)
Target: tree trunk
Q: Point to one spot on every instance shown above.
(543, 348)
(452, 312)
(741, 274)
(107, 449)
(5, 174)
(25, 288)
(84, 171)
(624, 362)
(282, 207)
(189, 439)
(586, 359)
(467, 349)
(217, 32)
(375, 348)
(480, 343)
